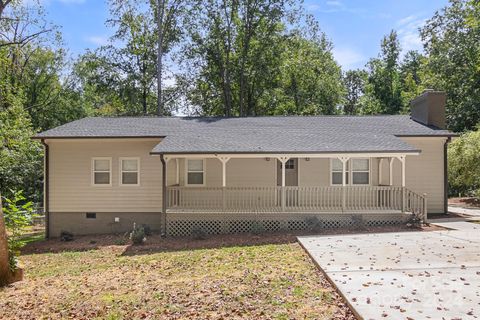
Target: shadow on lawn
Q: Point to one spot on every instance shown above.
(156, 244)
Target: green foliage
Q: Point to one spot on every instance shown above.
(18, 215)
(354, 82)
(384, 83)
(464, 164)
(257, 58)
(20, 157)
(452, 42)
(138, 235)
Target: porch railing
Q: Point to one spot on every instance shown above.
(327, 198)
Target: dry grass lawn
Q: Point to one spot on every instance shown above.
(232, 277)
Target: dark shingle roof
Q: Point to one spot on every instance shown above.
(256, 134)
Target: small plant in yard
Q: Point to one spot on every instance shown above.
(257, 227)
(18, 214)
(199, 233)
(415, 222)
(314, 224)
(66, 236)
(358, 221)
(138, 234)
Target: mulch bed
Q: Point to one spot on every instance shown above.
(155, 243)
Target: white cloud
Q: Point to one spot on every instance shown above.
(72, 1)
(97, 40)
(334, 3)
(349, 58)
(408, 32)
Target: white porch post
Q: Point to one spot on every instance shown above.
(344, 180)
(402, 160)
(283, 160)
(390, 178)
(380, 171)
(177, 168)
(224, 161)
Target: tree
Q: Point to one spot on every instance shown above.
(20, 157)
(168, 16)
(310, 80)
(4, 257)
(256, 58)
(354, 81)
(451, 41)
(121, 78)
(464, 164)
(384, 78)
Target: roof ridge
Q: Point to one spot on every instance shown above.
(250, 117)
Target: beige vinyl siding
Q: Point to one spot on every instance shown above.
(71, 188)
(424, 173)
(240, 172)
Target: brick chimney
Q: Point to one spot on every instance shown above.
(429, 108)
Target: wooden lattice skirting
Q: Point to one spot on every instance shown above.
(184, 224)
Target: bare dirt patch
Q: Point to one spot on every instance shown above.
(466, 202)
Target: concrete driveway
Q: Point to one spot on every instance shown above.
(407, 275)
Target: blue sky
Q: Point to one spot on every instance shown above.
(354, 27)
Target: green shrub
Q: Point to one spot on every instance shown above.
(464, 165)
(138, 234)
(314, 224)
(198, 233)
(18, 214)
(257, 227)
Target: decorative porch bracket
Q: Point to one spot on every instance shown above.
(344, 161)
(283, 160)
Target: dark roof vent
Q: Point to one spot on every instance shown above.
(429, 108)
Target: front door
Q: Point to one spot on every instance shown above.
(291, 172)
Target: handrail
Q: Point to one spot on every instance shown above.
(298, 198)
(416, 204)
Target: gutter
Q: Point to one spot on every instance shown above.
(164, 196)
(445, 174)
(46, 187)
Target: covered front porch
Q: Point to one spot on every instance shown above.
(291, 184)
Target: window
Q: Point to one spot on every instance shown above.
(360, 171)
(101, 171)
(196, 172)
(129, 171)
(290, 164)
(337, 168)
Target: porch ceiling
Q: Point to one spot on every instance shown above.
(283, 142)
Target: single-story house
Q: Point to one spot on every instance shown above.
(217, 175)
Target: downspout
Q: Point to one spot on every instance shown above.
(164, 196)
(46, 187)
(445, 175)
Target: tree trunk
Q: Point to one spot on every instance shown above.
(160, 14)
(4, 265)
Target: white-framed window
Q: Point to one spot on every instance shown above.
(195, 172)
(357, 172)
(290, 164)
(102, 171)
(129, 171)
(360, 171)
(336, 172)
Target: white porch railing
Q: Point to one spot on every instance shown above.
(329, 198)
